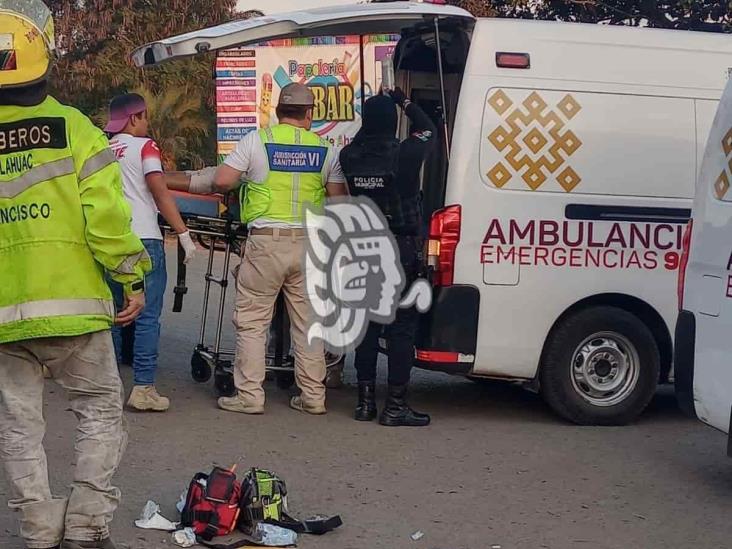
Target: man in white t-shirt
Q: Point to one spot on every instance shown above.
(145, 188)
(285, 166)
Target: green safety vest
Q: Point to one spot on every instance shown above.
(297, 159)
(63, 221)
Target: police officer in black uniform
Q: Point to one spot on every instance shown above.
(376, 155)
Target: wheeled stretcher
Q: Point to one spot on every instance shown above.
(213, 220)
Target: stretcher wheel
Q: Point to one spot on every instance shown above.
(224, 382)
(200, 369)
(285, 380)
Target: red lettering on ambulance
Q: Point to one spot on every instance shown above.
(575, 258)
(593, 256)
(591, 237)
(605, 261)
(616, 236)
(541, 255)
(509, 254)
(548, 233)
(634, 260)
(486, 254)
(651, 260)
(636, 237)
(580, 234)
(657, 237)
(558, 259)
(525, 255)
(494, 232)
(515, 234)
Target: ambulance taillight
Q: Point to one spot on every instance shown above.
(684, 261)
(443, 240)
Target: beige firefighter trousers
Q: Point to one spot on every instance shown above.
(86, 367)
(271, 263)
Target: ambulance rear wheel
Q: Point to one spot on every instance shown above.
(600, 367)
(200, 369)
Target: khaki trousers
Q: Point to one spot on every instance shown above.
(272, 263)
(85, 366)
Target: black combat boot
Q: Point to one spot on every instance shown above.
(366, 408)
(397, 412)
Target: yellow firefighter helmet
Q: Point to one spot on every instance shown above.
(27, 43)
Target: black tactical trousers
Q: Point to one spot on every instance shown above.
(400, 334)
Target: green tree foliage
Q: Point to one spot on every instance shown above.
(699, 15)
(95, 38)
(178, 126)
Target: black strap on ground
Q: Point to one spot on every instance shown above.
(180, 288)
(314, 527)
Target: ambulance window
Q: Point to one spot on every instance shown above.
(588, 143)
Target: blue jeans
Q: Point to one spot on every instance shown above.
(147, 325)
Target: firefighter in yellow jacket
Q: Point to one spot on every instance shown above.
(63, 222)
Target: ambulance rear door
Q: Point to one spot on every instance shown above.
(358, 19)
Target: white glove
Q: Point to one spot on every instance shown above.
(202, 181)
(188, 246)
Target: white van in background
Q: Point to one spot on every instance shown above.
(703, 356)
(558, 195)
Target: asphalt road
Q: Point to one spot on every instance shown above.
(495, 468)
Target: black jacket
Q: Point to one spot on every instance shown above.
(412, 154)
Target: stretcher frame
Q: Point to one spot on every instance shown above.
(210, 359)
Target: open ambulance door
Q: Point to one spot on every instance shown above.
(358, 19)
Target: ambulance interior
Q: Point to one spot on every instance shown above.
(417, 64)
(429, 59)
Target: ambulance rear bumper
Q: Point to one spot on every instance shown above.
(447, 334)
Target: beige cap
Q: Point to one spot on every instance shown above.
(297, 95)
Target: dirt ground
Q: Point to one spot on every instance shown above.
(495, 468)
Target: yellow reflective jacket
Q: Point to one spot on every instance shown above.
(63, 221)
(297, 160)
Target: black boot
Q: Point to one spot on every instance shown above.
(397, 412)
(366, 408)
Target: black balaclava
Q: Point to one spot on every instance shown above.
(379, 118)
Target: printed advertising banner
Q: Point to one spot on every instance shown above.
(342, 71)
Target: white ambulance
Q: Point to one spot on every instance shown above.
(557, 199)
(703, 354)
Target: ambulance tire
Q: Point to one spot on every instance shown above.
(593, 342)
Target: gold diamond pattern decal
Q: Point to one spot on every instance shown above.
(569, 106)
(727, 143)
(568, 179)
(499, 175)
(500, 138)
(722, 184)
(500, 102)
(535, 141)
